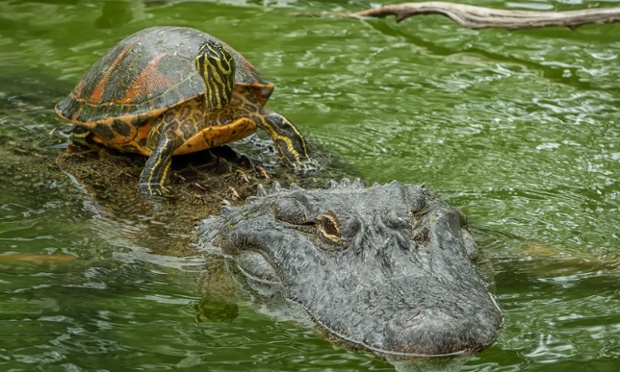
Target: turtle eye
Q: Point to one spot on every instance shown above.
(328, 228)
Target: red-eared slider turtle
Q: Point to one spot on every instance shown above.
(168, 91)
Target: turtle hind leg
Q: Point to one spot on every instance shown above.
(290, 143)
(153, 176)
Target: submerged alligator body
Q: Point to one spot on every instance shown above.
(388, 268)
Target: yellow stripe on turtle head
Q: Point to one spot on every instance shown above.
(216, 66)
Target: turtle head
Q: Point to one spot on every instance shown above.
(216, 66)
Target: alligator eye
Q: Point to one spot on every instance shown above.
(328, 229)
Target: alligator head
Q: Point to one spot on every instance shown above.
(390, 269)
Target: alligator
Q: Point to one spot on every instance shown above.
(389, 268)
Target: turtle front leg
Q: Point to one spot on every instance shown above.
(155, 172)
(291, 145)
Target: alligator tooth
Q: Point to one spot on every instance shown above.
(261, 191)
(331, 184)
(295, 187)
(345, 182)
(357, 184)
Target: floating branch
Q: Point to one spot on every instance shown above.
(476, 17)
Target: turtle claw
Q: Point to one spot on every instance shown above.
(154, 190)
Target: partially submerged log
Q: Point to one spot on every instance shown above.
(476, 17)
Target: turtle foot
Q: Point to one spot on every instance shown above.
(154, 190)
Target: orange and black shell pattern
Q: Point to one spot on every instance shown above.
(145, 75)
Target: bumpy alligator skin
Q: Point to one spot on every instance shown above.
(388, 268)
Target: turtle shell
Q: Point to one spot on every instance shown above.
(146, 74)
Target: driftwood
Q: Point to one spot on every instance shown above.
(476, 17)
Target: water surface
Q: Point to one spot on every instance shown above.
(519, 129)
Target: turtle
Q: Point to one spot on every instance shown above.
(167, 91)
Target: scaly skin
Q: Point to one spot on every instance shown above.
(391, 269)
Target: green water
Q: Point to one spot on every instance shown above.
(519, 129)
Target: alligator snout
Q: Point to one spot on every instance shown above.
(439, 332)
